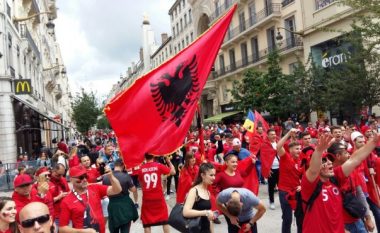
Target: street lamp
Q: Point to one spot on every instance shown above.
(31, 17)
(280, 37)
(63, 71)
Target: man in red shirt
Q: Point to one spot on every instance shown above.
(154, 211)
(24, 194)
(92, 173)
(289, 184)
(58, 188)
(83, 205)
(326, 213)
(35, 217)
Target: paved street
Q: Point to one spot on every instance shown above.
(269, 223)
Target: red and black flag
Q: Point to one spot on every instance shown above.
(154, 114)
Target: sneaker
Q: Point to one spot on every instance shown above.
(217, 221)
(167, 197)
(271, 206)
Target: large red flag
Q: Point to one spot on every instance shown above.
(155, 113)
(259, 120)
(267, 154)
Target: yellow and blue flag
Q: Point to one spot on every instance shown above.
(249, 123)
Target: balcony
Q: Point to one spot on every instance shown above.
(58, 92)
(220, 11)
(283, 47)
(286, 2)
(254, 23)
(31, 44)
(50, 85)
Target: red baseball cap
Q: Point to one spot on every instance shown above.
(77, 171)
(22, 180)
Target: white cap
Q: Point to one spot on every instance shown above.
(355, 134)
(236, 142)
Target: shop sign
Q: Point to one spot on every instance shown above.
(23, 86)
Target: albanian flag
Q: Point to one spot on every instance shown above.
(154, 114)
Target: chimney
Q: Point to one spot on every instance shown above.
(129, 71)
(164, 37)
(141, 54)
(133, 67)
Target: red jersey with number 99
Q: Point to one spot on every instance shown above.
(150, 179)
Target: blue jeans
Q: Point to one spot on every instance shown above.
(356, 227)
(287, 214)
(375, 211)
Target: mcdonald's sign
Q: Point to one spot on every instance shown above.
(23, 86)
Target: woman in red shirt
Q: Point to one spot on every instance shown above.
(186, 177)
(7, 215)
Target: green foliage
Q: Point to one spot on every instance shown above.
(103, 123)
(85, 111)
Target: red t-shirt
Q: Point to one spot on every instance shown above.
(6, 231)
(74, 161)
(290, 173)
(72, 209)
(92, 174)
(22, 201)
(223, 181)
(150, 179)
(56, 186)
(326, 212)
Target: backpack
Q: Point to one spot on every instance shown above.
(351, 203)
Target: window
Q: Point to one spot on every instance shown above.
(292, 67)
(177, 28)
(225, 93)
(191, 36)
(244, 53)
(252, 13)
(183, 3)
(271, 39)
(187, 40)
(322, 3)
(166, 52)
(10, 50)
(232, 59)
(227, 3)
(170, 49)
(290, 24)
(268, 7)
(9, 11)
(173, 29)
(217, 10)
(221, 64)
(286, 2)
(171, 16)
(179, 8)
(175, 13)
(183, 44)
(179, 47)
(185, 18)
(175, 49)
(181, 24)
(190, 17)
(255, 49)
(241, 21)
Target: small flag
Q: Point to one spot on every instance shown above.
(249, 123)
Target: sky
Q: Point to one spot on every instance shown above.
(100, 39)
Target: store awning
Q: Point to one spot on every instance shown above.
(38, 111)
(219, 118)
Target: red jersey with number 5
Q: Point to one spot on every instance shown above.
(150, 179)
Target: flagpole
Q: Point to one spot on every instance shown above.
(200, 133)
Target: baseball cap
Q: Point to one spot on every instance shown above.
(77, 171)
(22, 180)
(236, 142)
(355, 134)
(364, 128)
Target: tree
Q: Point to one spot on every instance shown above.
(103, 123)
(85, 111)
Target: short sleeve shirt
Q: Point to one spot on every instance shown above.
(150, 180)
(290, 173)
(125, 182)
(326, 213)
(73, 209)
(248, 198)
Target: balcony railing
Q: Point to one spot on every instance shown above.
(220, 10)
(286, 2)
(282, 46)
(258, 17)
(26, 34)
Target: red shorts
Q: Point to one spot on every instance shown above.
(154, 213)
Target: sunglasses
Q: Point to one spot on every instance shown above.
(81, 178)
(30, 222)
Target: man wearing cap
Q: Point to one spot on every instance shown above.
(289, 184)
(326, 213)
(24, 194)
(35, 217)
(83, 206)
(241, 152)
(42, 186)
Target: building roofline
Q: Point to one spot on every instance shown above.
(175, 4)
(161, 46)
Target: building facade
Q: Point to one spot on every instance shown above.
(34, 92)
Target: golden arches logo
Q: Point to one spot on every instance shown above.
(23, 86)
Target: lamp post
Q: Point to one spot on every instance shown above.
(280, 37)
(63, 71)
(31, 17)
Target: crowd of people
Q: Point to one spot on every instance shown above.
(316, 170)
